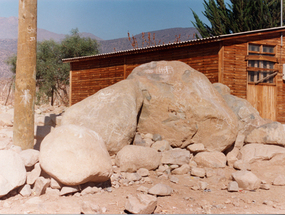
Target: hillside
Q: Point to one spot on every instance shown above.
(9, 34)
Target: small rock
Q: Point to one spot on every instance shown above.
(68, 190)
(233, 186)
(138, 140)
(142, 189)
(212, 159)
(148, 135)
(192, 164)
(176, 156)
(173, 166)
(203, 185)
(161, 145)
(52, 192)
(25, 190)
(90, 190)
(160, 190)
(148, 180)
(232, 157)
(199, 172)
(54, 184)
(184, 169)
(246, 180)
(196, 147)
(279, 180)
(141, 203)
(148, 142)
(34, 174)
(156, 137)
(164, 176)
(90, 208)
(241, 165)
(41, 185)
(265, 186)
(143, 172)
(173, 179)
(239, 141)
(133, 176)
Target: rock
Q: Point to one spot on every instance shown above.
(131, 158)
(12, 171)
(265, 186)
(54, 184)
(203, 185)
(233, 186)
(90, 190)
(161, 145)
(239, 140)
(138, 140)
(141, 203)
(25, 190)
(232, 157)
(30, 157)
(213, 159)
(183, 107)
(4, 143)
(173, 179)
(90, 208)
(6, 119)
(246, 180)
(75, 155)
(270, 133)
(111, 112)
(176, 156)
(199, 172)
(160, 190)
(41, 185)
(279, 180)
(253, 152)
(148, 142)
(241, 165)
(143, 172)
(156, 137)
(133, 176)
(68, 190)
(195, 148)
(34, 174)
(184, 169)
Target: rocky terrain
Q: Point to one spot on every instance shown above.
(164, 141)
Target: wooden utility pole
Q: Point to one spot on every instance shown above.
(25, 85)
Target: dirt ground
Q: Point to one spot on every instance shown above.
(184, 200)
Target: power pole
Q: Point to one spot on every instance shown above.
(25, 84)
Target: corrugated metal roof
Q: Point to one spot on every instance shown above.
(209, 39)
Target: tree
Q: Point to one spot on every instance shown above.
(238, 16)
(52, 74)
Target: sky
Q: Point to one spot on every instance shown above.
(110, 19)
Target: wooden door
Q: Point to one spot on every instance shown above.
(263, 98)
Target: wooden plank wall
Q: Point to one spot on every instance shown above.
(90, 76)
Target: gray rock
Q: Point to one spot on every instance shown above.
(75, 155)
(138, 140)
(131, 158)
(176, 156)
(111, 112)
(212, 159)
(233, 186)
(141, 203)
(160, 190)
(199, 172)
(41, 185)
(246, 180)
(279, 180)
(156, 137)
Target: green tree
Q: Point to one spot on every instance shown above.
(52, 74)
(238, 16)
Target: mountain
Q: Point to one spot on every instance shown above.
(9, 34)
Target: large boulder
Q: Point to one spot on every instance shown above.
(111, 112)
(183, 107)
(12, 171)
(131, 158)
(74, 155)
(270, 133)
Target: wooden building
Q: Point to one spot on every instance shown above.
(249, 63)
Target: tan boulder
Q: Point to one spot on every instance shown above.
(183, 107)
(74, 155)
(111, 112)
(213, 159)
(246, 180)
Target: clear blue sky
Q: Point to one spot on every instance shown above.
(110, 19)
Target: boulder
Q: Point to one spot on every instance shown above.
(141, 203)
(270, 133)
(213, 159)
(183, 107)
(74, 155)
(12, 171)
(131, 158)
(246, 180)
(176, 156)
(253, 152)
(111, 112)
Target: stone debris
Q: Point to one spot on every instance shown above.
(141, 203)
(34, 174)
(41, 185)
(160, 190)
(199, 172)
(69, 190)
(279, 180)
(233, 186)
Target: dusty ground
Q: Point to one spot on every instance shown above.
(184, 200)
